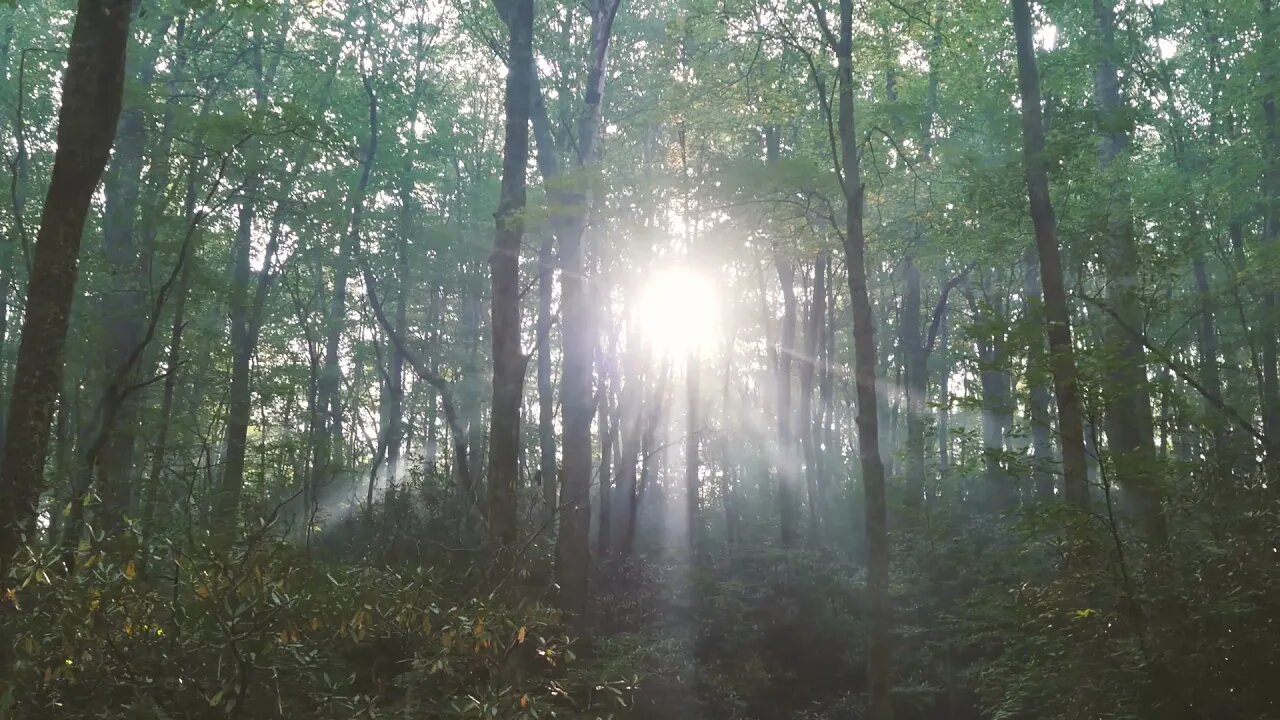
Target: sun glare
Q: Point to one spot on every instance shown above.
(679, 312)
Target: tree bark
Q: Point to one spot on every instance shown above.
(879, 652)
(630, 414)
(788, 477)
(573, 544)
(606, 431)
(1038, 398)
(917, 381)
(811, 427)
(1057, 317)
(1129, 421)
(693, 436)
(124, 309)
(92, 89)
(546, 390)
(504, 267)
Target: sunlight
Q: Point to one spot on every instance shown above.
(679, 312)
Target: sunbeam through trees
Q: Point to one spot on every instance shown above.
(640, 359)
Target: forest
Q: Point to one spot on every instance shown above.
(640, 359)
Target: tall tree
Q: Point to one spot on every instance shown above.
(509, 361)
(1130, 425)
(92, 89)
(1057, 316)
(879, 653)
(573, 544)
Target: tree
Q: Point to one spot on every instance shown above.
(879, 654)
(508, 361)
(92, 90)
(1058, 322)
(1130, 426)
(573, 544)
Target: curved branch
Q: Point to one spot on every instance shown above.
(434, 379)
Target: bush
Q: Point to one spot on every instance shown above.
(261, 632)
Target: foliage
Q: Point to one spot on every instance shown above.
(261, 631)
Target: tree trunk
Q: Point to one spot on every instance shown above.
(917, 381)
(1057, 317)
(815, 329)
(830, 450)
(393, 405)
(546, 390)
(245, 313)
(124, 309)
(726, 452)
(508, 360)
(607, 431)
(151, 491)
(92, 87)
(1129, 422)
(944, 394)
(997, 402)
(788, 496)
(607, 423)
(1038, 388)
(630, 413)
(879, 653)
(692, 483)
(573, 549)
(648, 451)
(573, 545)
(329, 439)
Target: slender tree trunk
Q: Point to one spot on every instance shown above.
(329, 439)
(151, 491)
(606, 430)
(879, 652)
(607, 423)
(246, 325)
(944, 393)
(815, 328)
(693, 436)
(238, 393)
(92, 88)
(393, 407)
(1038, 398)
(917, 381)
(632, 430)
(573, 545)
(650, 456)
(573, 551)
(788, 477)
(996, 403)
(1209, 375)
(726, 453)
(546, 390)
(124, 308)
(432, 449)
(245, 312)
(1057, 317)
(1129, 422)
(788, 472)
(830, 450)
(508, 360)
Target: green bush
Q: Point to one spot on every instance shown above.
(262, 632)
